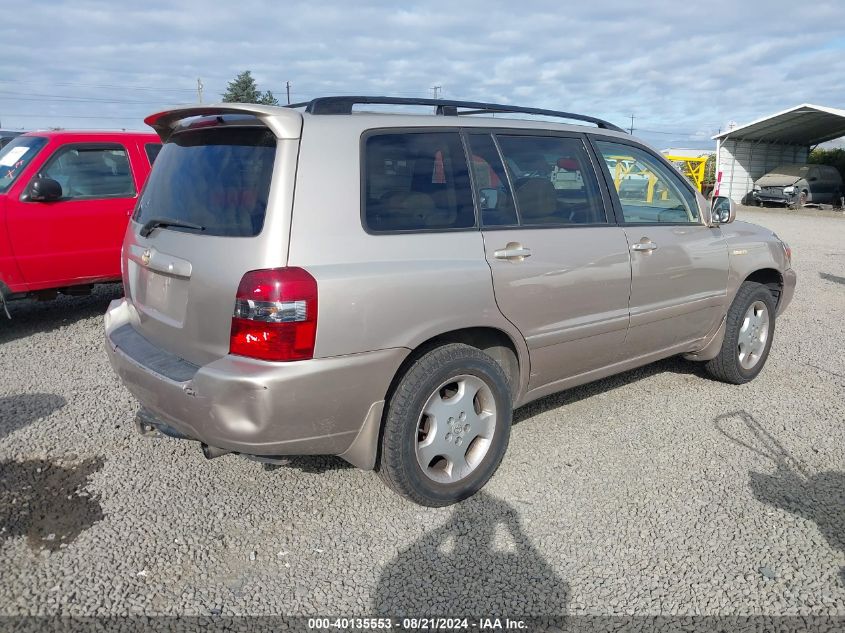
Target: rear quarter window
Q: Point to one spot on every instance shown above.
(217, 178)
(416, 181)
(152, 150)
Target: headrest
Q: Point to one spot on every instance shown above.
(87, 160)
(537, 198)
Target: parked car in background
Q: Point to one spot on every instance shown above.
(65, 200)
(6, 136)
(797, 185)
(430, 273)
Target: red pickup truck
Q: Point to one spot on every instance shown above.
(65, 201)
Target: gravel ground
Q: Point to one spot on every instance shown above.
(654, 492)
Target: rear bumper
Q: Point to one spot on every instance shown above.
(788, 291)
(259, 408)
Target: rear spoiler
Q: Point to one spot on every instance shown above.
(284, 122)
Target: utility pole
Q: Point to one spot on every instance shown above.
(199, 90)
(631, 130)
(287, 87)
(435, 91)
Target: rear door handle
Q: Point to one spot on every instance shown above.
(644, 247)
(513, 251)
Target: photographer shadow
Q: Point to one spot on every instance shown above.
(19, 410)
(479, 564)
(817, 497)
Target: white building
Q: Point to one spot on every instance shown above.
(747, 152)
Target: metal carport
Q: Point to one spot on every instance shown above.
(747, 152)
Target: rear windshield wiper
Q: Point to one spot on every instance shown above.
(151, 225)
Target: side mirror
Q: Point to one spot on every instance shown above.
(812, 178)
(722, 210)
(44, 190)
(489, 198)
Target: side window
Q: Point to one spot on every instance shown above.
(553, 179)
(416, 181)
(91, 172)
(648, 190)
(491, 183)
(152, 150)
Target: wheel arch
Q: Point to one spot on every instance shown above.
(497, 343)
(512, 356)
(769, 277)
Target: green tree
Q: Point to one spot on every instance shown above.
(834, 156)
(268, 99)
(710, 169)
(243, 89)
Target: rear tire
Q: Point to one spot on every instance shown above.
(446, 426)
(749, 332)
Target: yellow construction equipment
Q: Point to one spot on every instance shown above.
(627, 168)
(692, 168)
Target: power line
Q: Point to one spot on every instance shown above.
(86, 85)
(54, 115)
(69, 99)
(669, 133)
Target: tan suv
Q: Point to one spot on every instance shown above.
(388, 287)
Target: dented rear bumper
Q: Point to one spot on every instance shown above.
(254, 407)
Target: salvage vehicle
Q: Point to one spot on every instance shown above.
(388, 287)
(65, 201)
(797, 185)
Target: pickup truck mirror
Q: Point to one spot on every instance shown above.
(44, 190)
(722, 210)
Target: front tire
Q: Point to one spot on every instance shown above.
(749, 332)
(447, 425)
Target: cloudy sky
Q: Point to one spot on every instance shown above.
(683, 69)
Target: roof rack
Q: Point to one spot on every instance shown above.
(445, 107)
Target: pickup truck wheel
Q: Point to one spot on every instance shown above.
(446, 426)
(748, 335)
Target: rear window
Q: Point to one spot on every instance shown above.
(217, 178)
(15, 156)
(416, 181)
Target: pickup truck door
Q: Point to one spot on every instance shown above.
(76, 239)
(679, 266)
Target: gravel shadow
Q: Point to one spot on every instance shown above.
(834, 278)
(818, 497)
(46, 502)
(32, 317)
(20, 410)
(480, 563)
(675, 365)
(312, 464)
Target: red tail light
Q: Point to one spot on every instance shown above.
(275, 315)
